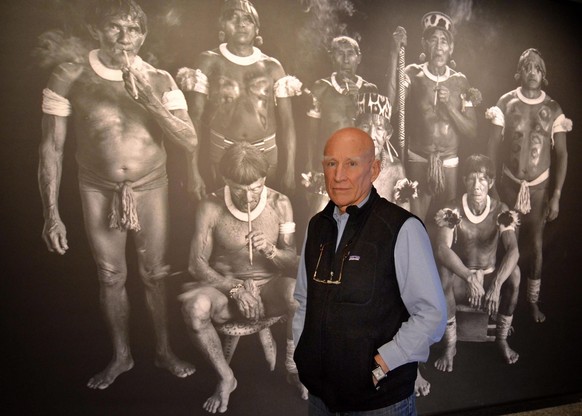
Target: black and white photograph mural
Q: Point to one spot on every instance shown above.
(161, 161)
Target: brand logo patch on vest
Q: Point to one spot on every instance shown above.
(354, 258)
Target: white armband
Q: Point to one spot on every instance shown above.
(496, 116)
(288, 86)
(562, 125)
(192, 80)
(287, 228)
(174, 100)
(55, 104)
(507, 221)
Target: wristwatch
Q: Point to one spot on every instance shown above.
(378, 373)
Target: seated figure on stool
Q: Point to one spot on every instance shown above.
(469, 230)
(242, 253)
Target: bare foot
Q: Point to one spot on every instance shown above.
(421, 385)
(445, 362)
(508, 354)
(105, 378)
(219, 400)
(293, 379)
(174, 365)
(536, 314)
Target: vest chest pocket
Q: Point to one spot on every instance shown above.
(358, 269)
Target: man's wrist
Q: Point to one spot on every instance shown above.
(271, 254)
(233, 292)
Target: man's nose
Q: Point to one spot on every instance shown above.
(123, 36)
(339, 174)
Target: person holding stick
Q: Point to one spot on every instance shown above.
(440, 108)
(122, 109)
(241, 258)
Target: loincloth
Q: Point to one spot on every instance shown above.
(123, 214)
(219, 143)
(523, 200)
(435, 177)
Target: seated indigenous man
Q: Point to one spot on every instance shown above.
(237, 93)
(528, 144)
(242, 256)
(373, 117)
(122, 110)
(469, 231)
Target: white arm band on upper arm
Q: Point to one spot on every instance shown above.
(192, 80)
(287, 228)
(288, 86)
(55, 104)
(174, 100)
(495, 115)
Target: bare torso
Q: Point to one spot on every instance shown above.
(117, 138)
(430, 128)
(476, 243)
(229, 244)
(526, 147)
(241, 101)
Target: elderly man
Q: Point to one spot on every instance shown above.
(238, 93)
(469, 232)
(122, 107)
(440, 116)
(240, 274)
(529, 128)
(370, 300)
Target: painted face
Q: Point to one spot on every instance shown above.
(477, 185)
(239, 28)
(241, 194)
(375, 126)
(345, 59)
(438, 48)
(118, 34)
(531, 72)
(349, 169)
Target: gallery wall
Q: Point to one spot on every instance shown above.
(51, 325)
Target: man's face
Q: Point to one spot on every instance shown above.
(375, 126)
(477, 185)
(243, 194)
(117, 34)
(531, 72)
(438, 48)
(349, 169)
(239, 28)
(345, 59)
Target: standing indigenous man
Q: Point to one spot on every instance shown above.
(370, 300)
(238, 94)
(233, 283)
(120, 114)
(440, 114)
(527, 126)
(337, 100)
(470, 228)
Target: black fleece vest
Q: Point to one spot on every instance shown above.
(345, 324)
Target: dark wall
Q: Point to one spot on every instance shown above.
(53, 336)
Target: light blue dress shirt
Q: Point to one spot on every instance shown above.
(420, 289)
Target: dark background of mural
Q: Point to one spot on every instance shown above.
(52, 333)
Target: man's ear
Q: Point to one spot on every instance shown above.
(491, 183)
(377, 167)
